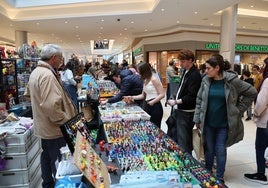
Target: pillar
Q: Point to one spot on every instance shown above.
(20, 38)
(228, 33)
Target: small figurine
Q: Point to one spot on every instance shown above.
(101, 145)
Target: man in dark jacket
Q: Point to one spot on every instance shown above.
(130, 84)
(184, 103)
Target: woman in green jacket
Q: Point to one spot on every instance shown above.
(218, 111)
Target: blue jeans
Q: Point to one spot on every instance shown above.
(261, 143)
(215, 145)
(49, 155)
(249, 112)
(184, 125)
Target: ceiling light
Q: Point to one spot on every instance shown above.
(195, 12)
(254, 13)
(66, 22)
(162, 9)
(132, 22)
(77, 27)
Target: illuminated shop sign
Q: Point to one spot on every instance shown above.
(240, 47)
(137, 51)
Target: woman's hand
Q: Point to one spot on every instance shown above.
(197, 125)
(128, 99)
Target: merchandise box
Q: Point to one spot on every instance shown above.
(22, 160)
(21, 177)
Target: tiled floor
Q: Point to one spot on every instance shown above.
(240, 157)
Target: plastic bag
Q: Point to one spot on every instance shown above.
(198, 144)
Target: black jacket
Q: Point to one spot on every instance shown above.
(131, 84)
(189, 89)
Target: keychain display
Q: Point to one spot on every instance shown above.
(70, 128)
(90, 163)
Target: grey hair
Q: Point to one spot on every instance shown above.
(49, 50)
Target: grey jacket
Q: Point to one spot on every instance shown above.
(236, 105)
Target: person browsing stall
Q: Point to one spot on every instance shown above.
(69, 82)
(218, 111)
(152, 92)
(52, 107)
(130, 84)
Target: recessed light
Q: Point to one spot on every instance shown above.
(251, 6)
(178, 21)
(37, 23)
(102, 20)
(195, 12)
(162, 9)
(66, 22)
(132, 22)
(77, 27)
(125, 29)
(146, 30)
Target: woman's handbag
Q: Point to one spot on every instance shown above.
(198, 144)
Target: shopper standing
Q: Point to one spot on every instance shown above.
(218, 111)
(170, 72)
(261, 120)
(69, 82)
(257, 76)
(184, 103)
(152, 92)
(52, 107)
(248, 79)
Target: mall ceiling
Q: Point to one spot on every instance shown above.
(73, 25)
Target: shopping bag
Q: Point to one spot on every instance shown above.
(198, 144)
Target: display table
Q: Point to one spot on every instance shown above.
(133, 145)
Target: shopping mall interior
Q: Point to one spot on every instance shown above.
(146, 30)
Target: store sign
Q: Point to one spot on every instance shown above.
(137, 51)
(240, 47)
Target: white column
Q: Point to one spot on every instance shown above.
(228, 33)
(21, 38)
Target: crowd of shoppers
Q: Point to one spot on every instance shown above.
(198, 101)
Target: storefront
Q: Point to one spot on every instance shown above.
(158, 55)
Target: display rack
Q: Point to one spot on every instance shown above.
(8, 82)
(13, 79)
